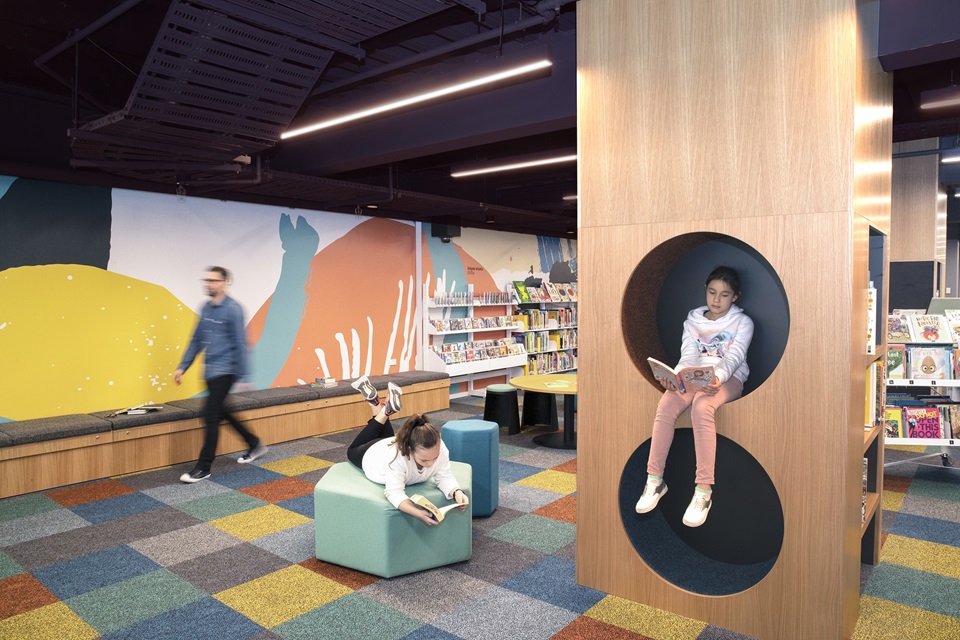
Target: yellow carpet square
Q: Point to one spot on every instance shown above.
(912, 448)
(259, 522)
(885, 620)
(645, 620)
(926, 556)
(54, 622)
(892, 500)
(297, 465)
(550, 480)
(282, 595)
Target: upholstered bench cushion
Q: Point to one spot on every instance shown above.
(234, 402)
(413, 377)
(41, 429)
(168, 413)
(357, 527)
(477, 442)
(281, 395)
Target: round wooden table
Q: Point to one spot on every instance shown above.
(564, 384)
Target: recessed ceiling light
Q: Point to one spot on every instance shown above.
(572, 197)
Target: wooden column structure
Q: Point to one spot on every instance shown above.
(767, 121)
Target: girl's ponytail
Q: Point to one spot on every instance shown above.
(416, 433)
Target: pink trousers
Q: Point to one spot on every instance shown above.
(672, 404)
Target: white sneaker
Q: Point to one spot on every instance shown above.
(393, 398)
(652, 493)
(696, 513)
(366, 389)
(253, 454)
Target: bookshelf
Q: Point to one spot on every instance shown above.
(550, 337)
(469, 336)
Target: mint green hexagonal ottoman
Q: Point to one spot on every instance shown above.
(357, 527)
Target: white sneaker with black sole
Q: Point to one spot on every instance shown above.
(195, 476)
(393, 403)
(366, 389)
(253, 454)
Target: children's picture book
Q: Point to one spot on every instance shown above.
(686, 379)
(893, 422)
(921, 422)
(928, 363)
(438, 513)
(898, 328)
(896, 362)
(929, 328)
(523, 296)
(871, 342)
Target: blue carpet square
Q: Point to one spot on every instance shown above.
(914, 588)
(86, 573)
(929, 529)
(206, 619)
(514, 471)
(554, 580)
(302, 505)
(246, 476)
(115, 508)
(429, 632)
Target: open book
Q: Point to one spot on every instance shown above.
(686, 379)
(438, 512)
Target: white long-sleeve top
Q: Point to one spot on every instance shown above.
(383, 465)
(722, 343)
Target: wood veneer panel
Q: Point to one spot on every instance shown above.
(915, 228)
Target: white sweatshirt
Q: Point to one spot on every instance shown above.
(722, 343)
(383, 465)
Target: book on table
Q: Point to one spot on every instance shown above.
(438, 513)
(684, 379)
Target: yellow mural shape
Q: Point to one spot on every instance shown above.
(78, 339)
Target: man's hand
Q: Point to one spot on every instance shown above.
(177, 375)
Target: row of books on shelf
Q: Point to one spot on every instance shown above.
(465, 298)
(918, 362)
(468, 324)
(540, 341)
(459, 352)
(928, 421)
(546, 292)
(863, 494)
(552, 362)
(535, 319)
(912, 326)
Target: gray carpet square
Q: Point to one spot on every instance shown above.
(221, 570)
(544, 458)
(313, 477)
(496, 560)
(343, 437)
(426, 595)
(931, 508)
(184, 544)
(179, 492)
(155, 477)
(717, 633)
(305, 447)
(39, 525)
(526, 499)
(294, 545)
(568, 551)
(500, 614)
(498, 518)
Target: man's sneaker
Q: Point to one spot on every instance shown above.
(393, 398)
(195, 476)
(366, 389)
(651, 496)
(696, 513)
(253, 454)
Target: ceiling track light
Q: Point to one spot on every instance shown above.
(420, 97)
(509, 165)
(938, 98)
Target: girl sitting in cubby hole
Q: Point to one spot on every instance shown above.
(716, 334)
(415, 454)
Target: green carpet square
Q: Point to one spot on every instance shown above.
(917, 589)
(353, 617)
(8, 566)
(124, 603)
(220, 505)
(535, 532)
(28, 505)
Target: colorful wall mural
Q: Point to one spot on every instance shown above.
(100, 289)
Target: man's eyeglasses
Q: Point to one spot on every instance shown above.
(211, 280)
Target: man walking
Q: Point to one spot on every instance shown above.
(221, 332)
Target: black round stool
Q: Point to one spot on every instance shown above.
(502, 407)
(539, 409)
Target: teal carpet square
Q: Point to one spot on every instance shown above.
(131, 601)
(220, 505)
(936, 482)
(914, 588)
(116, 508)
(206, 619)
(27, 505)
(352, 617)
(86, 573)
(8, 566)
(535, 532)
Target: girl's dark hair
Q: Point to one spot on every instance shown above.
(728, 275)
(416, 433)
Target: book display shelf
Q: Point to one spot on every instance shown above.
(470, 336)
(549, 328)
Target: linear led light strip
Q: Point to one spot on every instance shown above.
(514, 165)
(422, 97)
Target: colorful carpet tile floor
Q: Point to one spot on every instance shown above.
(143, 556)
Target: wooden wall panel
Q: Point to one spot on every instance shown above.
(917, 233)
(737, 118)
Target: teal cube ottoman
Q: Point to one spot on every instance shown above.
(477, 442)
(357, 527)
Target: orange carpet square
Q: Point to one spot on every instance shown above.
(22, 593)
(347, 577)
(90, 492)
(570, 466)
(584, 628)
(564, 509)
(896, 483)
(279, 490)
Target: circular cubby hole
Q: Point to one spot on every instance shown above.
(741, 540)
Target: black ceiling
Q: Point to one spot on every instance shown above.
(151, 94)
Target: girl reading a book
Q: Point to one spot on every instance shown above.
(717, 334)
(412, 455)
